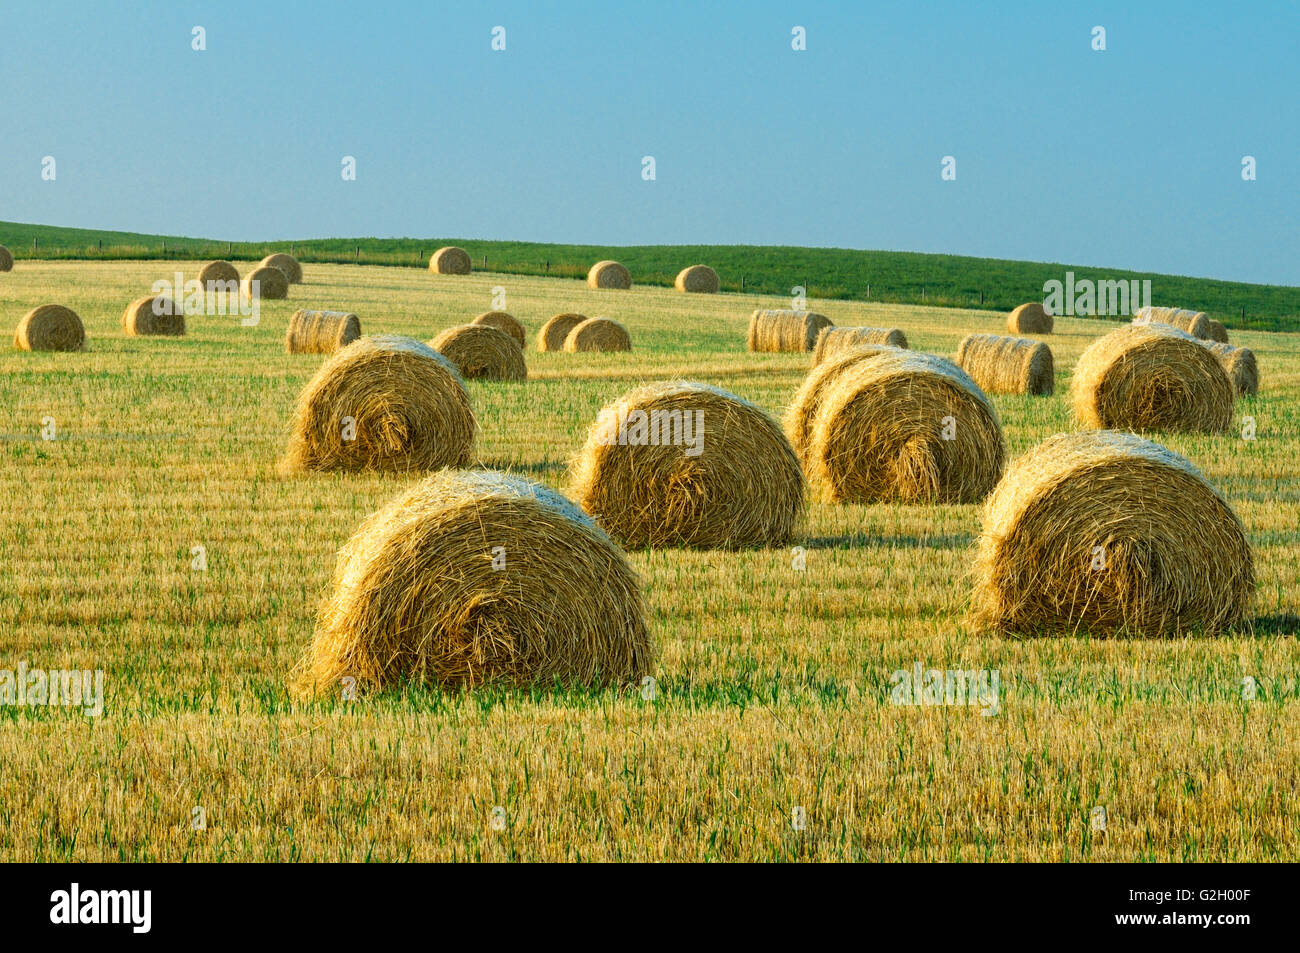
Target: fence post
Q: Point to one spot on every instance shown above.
(742, 282)
(485, 262)
(868, 289)
(1243, 312)
(982, 297)
(358, 254)
(35, 244)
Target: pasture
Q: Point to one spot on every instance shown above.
(773, 682)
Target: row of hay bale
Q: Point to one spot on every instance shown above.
(1102, 531)
(607, 274)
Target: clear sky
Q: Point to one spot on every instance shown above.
(1127, 158)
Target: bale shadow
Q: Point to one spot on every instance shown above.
(875, 541)
(509, 467)
(1284, 623)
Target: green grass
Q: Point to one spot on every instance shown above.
(827, 273)
(774, 683)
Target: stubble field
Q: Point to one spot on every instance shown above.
(773, 683)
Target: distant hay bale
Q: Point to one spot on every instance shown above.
(287, 264)
(1151, 377)
(1030, 318)
(1106, 533)
(598, 334)
(833, 342)
(6, 259)
(50, 327)
(1240, 366)
(904, 427)
(1006, 365)
(269, 282)
(807, 399)
(321, 332)
(1195, 323)
(473, 577)
(154, 314)
(503, 321)
(554, 332)
(609, 274)
(686, 464)
(222, 274)
(777, 330)
(698, 279)
(1217, 332)
(450, 261)
(382, 403)
(480, 351)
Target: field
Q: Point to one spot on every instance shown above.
(773, 683)
(893, 277)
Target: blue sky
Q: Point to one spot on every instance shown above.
(1128, 158)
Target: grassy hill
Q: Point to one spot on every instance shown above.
(895, 277)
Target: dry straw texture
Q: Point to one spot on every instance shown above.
(904, 427)
(1030, 318)
(698, 279)
(609, 274)
(1107, 533)
(503, 321)
(474, 577)
(450, 261)
(834, 342)
(598, 334)
(1004, 365)
(554, 332)
(771, 330)
(406, 403)
(686, 464)
(270, 282)
(287, 264)
(482, 352)
(219, 271)
(1195, 323)
(1151, 377)
(6, 259)
(50, 327)
(807, 399)
(1217, 332)
(1240, 366)
(321, 332)
(154, 314)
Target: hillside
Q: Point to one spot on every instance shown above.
(896, 277)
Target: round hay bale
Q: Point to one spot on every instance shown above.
(784, 330)
(50, 327)
(1151, 377)
(1195, 323)
(287, 264)
(1030, 318)
(833, 342)
(1240, 366)
(686, 464)
(554, 332)
(506, 322)
(220, 273)
(1107, 533)
(382, 403)
(474, 577)
(609, 274)
(6, 259)
(598, 334)
(265, 282)
(153, 314)
(321, 332)
(807, 399)
(481, 352)
(1006, 365)
(905, 427)
(698, 279)
(450, 261)
(1217, 332)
